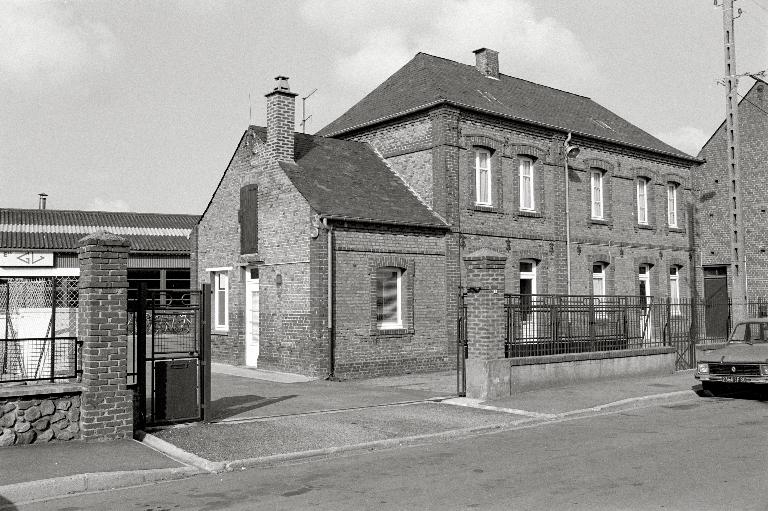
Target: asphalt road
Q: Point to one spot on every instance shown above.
(706, 454)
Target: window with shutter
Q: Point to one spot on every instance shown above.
(249, 219)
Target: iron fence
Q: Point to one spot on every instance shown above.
(38, 329)
(557, 324)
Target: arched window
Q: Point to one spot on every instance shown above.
(483, 181)
(596, 181)
(389, 298)
(527, 195)
(642, 200)
(672, 204)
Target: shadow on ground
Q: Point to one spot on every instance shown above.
(6, 505)
(230, 406)
(749, 392)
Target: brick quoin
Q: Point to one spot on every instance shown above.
(107, 403)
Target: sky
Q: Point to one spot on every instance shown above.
(138, 106)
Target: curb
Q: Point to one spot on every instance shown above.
(20, 493)
(632, 403)
(180, 455)
(365, 446)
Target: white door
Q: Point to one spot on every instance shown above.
(644, 277)
(252, 317)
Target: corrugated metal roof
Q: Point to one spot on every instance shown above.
(60, 230)
(428, 80)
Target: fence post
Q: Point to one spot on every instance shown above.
(53, 329)
(486, 318)
(107, 403)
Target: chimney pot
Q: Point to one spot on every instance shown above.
(41, 202)
(487, 62)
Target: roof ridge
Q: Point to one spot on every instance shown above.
(509, 76)
(96, 211)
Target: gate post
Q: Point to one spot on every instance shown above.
(107, 404)
(486, 319)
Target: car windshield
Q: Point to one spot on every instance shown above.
(750, 333)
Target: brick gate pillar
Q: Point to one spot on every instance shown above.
(107, 404)
(486, 320)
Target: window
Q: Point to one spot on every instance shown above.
(483, 177)
(220, 300)
(597, 194)
(389, 297)
(642, 201)
(672, 204)
(527, 202)
(598, 279)
(674, 290)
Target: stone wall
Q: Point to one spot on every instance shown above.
(36, 419)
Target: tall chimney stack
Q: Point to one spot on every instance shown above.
(41, 202)
(487, 62)
(281, 119)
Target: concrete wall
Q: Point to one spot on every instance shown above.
(498, 378)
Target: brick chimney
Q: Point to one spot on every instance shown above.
(281, 119)
(487, 62)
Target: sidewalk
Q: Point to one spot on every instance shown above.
(264, 418)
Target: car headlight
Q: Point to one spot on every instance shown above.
(703, 368)
(764, 369)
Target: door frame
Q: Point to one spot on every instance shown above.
(251, 349)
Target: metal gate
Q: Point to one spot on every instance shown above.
(171, 354)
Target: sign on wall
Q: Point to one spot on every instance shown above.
(26, 259)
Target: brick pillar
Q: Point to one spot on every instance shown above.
(107, 404)
(486, 320)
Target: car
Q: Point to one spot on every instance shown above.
(743, 359)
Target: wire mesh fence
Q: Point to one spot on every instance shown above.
(38, 329)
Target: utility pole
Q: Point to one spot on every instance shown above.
(738, 252)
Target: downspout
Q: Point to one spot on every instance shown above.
(567, 214)
(331, 337)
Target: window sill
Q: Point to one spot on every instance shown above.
(599, 221)
(645, 227)
(219, 332)
(530, 214)
(676, 229)
(392, 332)
(486, 209)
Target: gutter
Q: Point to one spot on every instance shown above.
(384, 222)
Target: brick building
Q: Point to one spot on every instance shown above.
(714, 204)
(321, 259)
(441, 160)
(486, 151)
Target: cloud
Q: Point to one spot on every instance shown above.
(685, 138)
(99, 204)
(378, 38)
(46, 41)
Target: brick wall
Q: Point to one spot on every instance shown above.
(540, 235)
(288, 341)
(712, 183)
(363, 350)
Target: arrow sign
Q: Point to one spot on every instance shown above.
(29, 258)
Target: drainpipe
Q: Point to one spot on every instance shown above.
(331, 337)
(567, 217)
(568, 151)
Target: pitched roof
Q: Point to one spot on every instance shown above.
(349, 180)
(60, 230)
(427, 80)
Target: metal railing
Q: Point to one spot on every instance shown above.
(557, 324)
